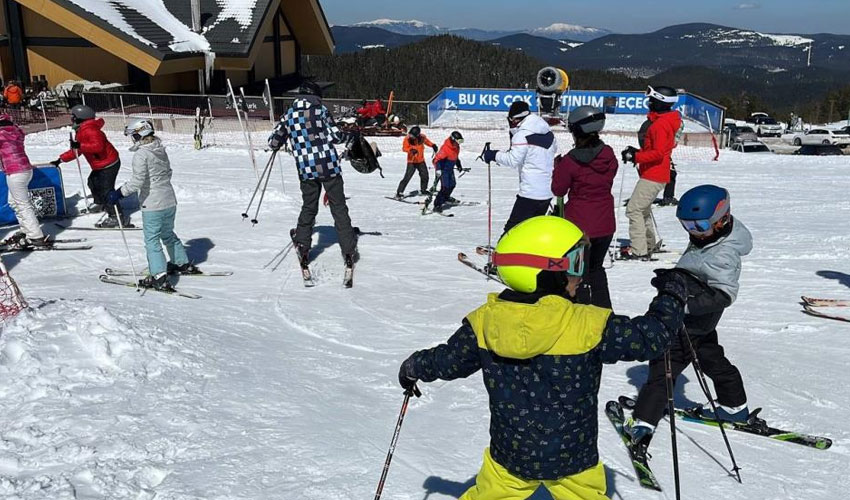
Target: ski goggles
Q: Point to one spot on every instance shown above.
(697, 227)
(572, 263)
(459, 141)
(651, 92)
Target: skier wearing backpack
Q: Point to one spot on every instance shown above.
(712, 263)
(532, 155)
(309, 129)
(541, 356)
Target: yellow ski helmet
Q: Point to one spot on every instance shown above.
(544, 243)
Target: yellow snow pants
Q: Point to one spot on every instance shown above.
(494, 482)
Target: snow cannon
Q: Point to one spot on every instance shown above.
(551, 84)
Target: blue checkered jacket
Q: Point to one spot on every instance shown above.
(310, 132)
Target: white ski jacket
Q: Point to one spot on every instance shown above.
(151, 176)
(532, 154)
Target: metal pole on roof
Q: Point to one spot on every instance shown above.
(43, 112)
(123, 114)
(150, 108)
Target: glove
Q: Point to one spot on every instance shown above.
(629, 154)
(56, 162)
(406, 378)
(75, 144)
(435, 148)
(489, 155)
(672, 282)
(114, 196)
(458, 168)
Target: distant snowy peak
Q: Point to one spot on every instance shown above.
(412, 27)
(736, 37)
(559, 31)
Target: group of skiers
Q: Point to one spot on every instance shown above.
(541, 343)
(150, 179)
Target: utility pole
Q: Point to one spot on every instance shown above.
(809, 61)
(831, 108)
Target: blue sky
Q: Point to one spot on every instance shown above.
(622, 16)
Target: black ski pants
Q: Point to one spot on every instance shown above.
(100, 183)
(411, 169)
(670, 188)
(728, 384)
(311, 192)
(524, 209)
(594, 286)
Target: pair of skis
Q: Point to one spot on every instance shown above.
(112, 276)
(812, 306)
(754, 425)
(56, 244)
(304, 264)
(484, 270)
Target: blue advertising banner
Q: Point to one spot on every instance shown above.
(46, 192)
(613, 102)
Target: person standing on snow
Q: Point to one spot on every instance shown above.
(151, 179)
(91, 142)
(585, 176)
(712, 263)
(414, 145)
(18, 169)
(653, 162)
(541, 356)
(309, 129)
(446, 160)
(532, 154)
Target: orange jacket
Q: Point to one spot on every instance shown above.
(449, 152)
(416, 149)
(13, 94)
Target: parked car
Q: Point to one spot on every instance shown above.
(765, 125)
(743, 134)
(819, 150)
(844, 130)
(821, 136)
(751, 147)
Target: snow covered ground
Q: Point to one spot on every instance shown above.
(496, 120)
(266, 390)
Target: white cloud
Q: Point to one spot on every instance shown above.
(748, 6)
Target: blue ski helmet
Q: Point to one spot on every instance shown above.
(702, 207)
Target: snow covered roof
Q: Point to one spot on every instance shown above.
(229, 27)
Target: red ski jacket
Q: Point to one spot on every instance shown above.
(653, 159)
(94, 145)
(449, 152)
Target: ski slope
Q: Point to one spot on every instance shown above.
(266, 390)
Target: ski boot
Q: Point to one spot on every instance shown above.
(453, 201)
(399, 196)
(38, 243)
(626, 254)
(94, 208)
(738, 414)
(15, 240)
(158, 282)
(185, 269)
(108, 223)
(348, 278)
(640, 434)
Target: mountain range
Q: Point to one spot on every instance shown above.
(643, 55)
(556, 31)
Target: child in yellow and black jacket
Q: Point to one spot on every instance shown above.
(541, 356)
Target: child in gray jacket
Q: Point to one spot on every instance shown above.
(152, 180)
(713, 265)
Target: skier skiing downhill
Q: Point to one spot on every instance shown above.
(712, 262)
(653, 163)
(309, 130)
(541, 356)
(91, 142)
(532, 154)
(446, 160)
(585, 175)
(414, 145)
(151, 179)
(16, 165)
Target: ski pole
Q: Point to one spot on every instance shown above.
(489, 204)
(80, 170)
(268, 174)
(620, 199)
(259, 182)
(124, 237)
(407, 394)
(668, 372)
(705, 389)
